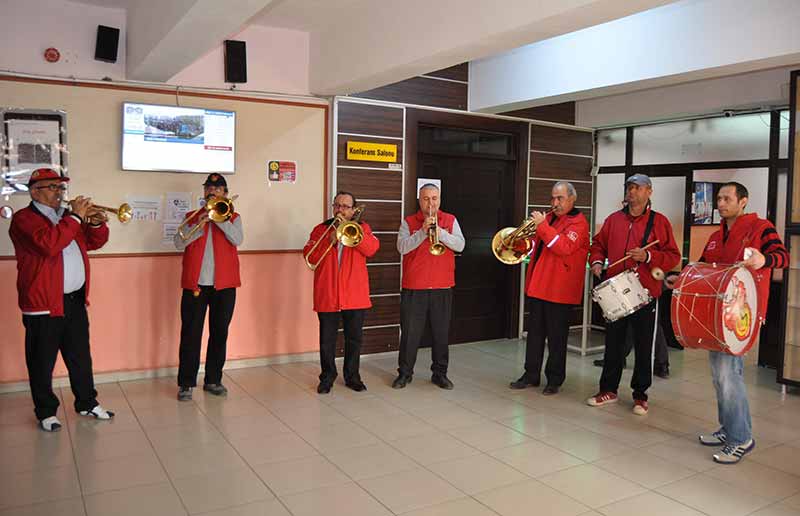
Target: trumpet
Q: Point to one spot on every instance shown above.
(436, 248)
(124, 212)
(218, 209)
(511, 245)
(348, 232)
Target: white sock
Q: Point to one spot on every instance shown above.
(50, 424)
(98, 412)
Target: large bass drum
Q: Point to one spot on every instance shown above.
(715, 307)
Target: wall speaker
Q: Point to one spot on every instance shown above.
(107, 44)
(235, 61)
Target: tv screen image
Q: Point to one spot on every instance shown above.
(179, 139)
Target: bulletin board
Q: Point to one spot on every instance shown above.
(276, 215)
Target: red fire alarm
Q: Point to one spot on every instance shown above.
(52, 55)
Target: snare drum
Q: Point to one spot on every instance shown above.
(715, 307)
(621, 295)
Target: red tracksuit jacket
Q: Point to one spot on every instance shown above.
(559, 273)
(345, 285)
(226, 257)
(622, 232)
(422, 270)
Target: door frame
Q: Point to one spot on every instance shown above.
(519, 130)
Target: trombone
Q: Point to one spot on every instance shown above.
(348, 232)
(218, 209)
(436, 248)
(511, 245)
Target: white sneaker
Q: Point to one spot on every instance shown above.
(98, 412)
(718, 438)
(50, 424)
(731, 454)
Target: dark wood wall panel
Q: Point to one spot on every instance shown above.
(422, 91)
(370, 119)
(540, 190)
(371, 184)
(342, 151)
(384, 279)
(562, 113)
(376, 340)
(385, 310)
(556, 139)
(459, 72)
(382, 216)
(557, 166)
(387, 253)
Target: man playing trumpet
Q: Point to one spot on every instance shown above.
(209, 280)
(553, 284)
(50, 244)
(341, 292)
(427, 286)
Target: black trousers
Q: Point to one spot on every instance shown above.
(642, 324)
(352, 322)
(45, 336)
(220, 304)
(416, 306)
(548, 321)
(661, 358)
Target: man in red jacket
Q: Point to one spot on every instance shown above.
(50, 244)
(739, 231)
(341, 292)
(427, 286)
(209, 280)
(554, 284)
(624, 234)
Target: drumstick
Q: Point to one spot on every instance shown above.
(651, 244)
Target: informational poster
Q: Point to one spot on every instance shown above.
(422, 181)
(168, 232)
(32, 144)
(177, 205)
(281, 171)
(145, 207)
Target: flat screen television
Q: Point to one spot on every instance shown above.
(177, 139)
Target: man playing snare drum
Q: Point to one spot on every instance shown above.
(624, 235)
(738, 232)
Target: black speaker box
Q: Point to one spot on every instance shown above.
(235, 61)
(107, 44)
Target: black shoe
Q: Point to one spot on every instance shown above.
(401, 381)
(661, 372)
(217, 389)
(324, 387)
(442, 381)
(550, 390)
(601, 363)
(523, 382)
(185, 394)
(356, 385)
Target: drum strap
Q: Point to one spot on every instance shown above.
(648, 228)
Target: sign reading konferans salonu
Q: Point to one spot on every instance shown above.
(365, 151)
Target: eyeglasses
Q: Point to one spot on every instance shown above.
(342, 206)
(52, 188)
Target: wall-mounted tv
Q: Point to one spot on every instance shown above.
(177, 139)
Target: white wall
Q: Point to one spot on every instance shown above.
(277, 61)
(27, 28)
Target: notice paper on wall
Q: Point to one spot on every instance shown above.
(145, 207)
(168, 232)
(282, 171)
(177, 205)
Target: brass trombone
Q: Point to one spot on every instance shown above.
(348, 232)
(511, 245)
(218, 209)
(436, 248)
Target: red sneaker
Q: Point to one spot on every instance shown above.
(602, 398)
(640, 407)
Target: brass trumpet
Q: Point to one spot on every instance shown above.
(511, 245)
(124, 212)
(436, 248)
(218, 209)
(348, 232)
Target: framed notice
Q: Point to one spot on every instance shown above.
(31, 139)
(282, 171)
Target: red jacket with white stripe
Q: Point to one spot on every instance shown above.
(621, 232)
(727, 247)
(341, 285)
(421, 269)
(562, 245)
(226, 257)
(38, 244)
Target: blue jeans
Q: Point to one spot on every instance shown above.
(732, 406)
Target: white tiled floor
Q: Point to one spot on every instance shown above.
(274, 447)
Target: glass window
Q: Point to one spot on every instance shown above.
(783, 145)
(611, 147)
(458, 141)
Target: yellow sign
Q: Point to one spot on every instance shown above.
(364, 151)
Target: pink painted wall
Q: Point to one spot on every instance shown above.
(135, 313)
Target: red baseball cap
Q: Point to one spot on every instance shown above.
(40, 174)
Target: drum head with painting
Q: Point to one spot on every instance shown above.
(740, 312)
